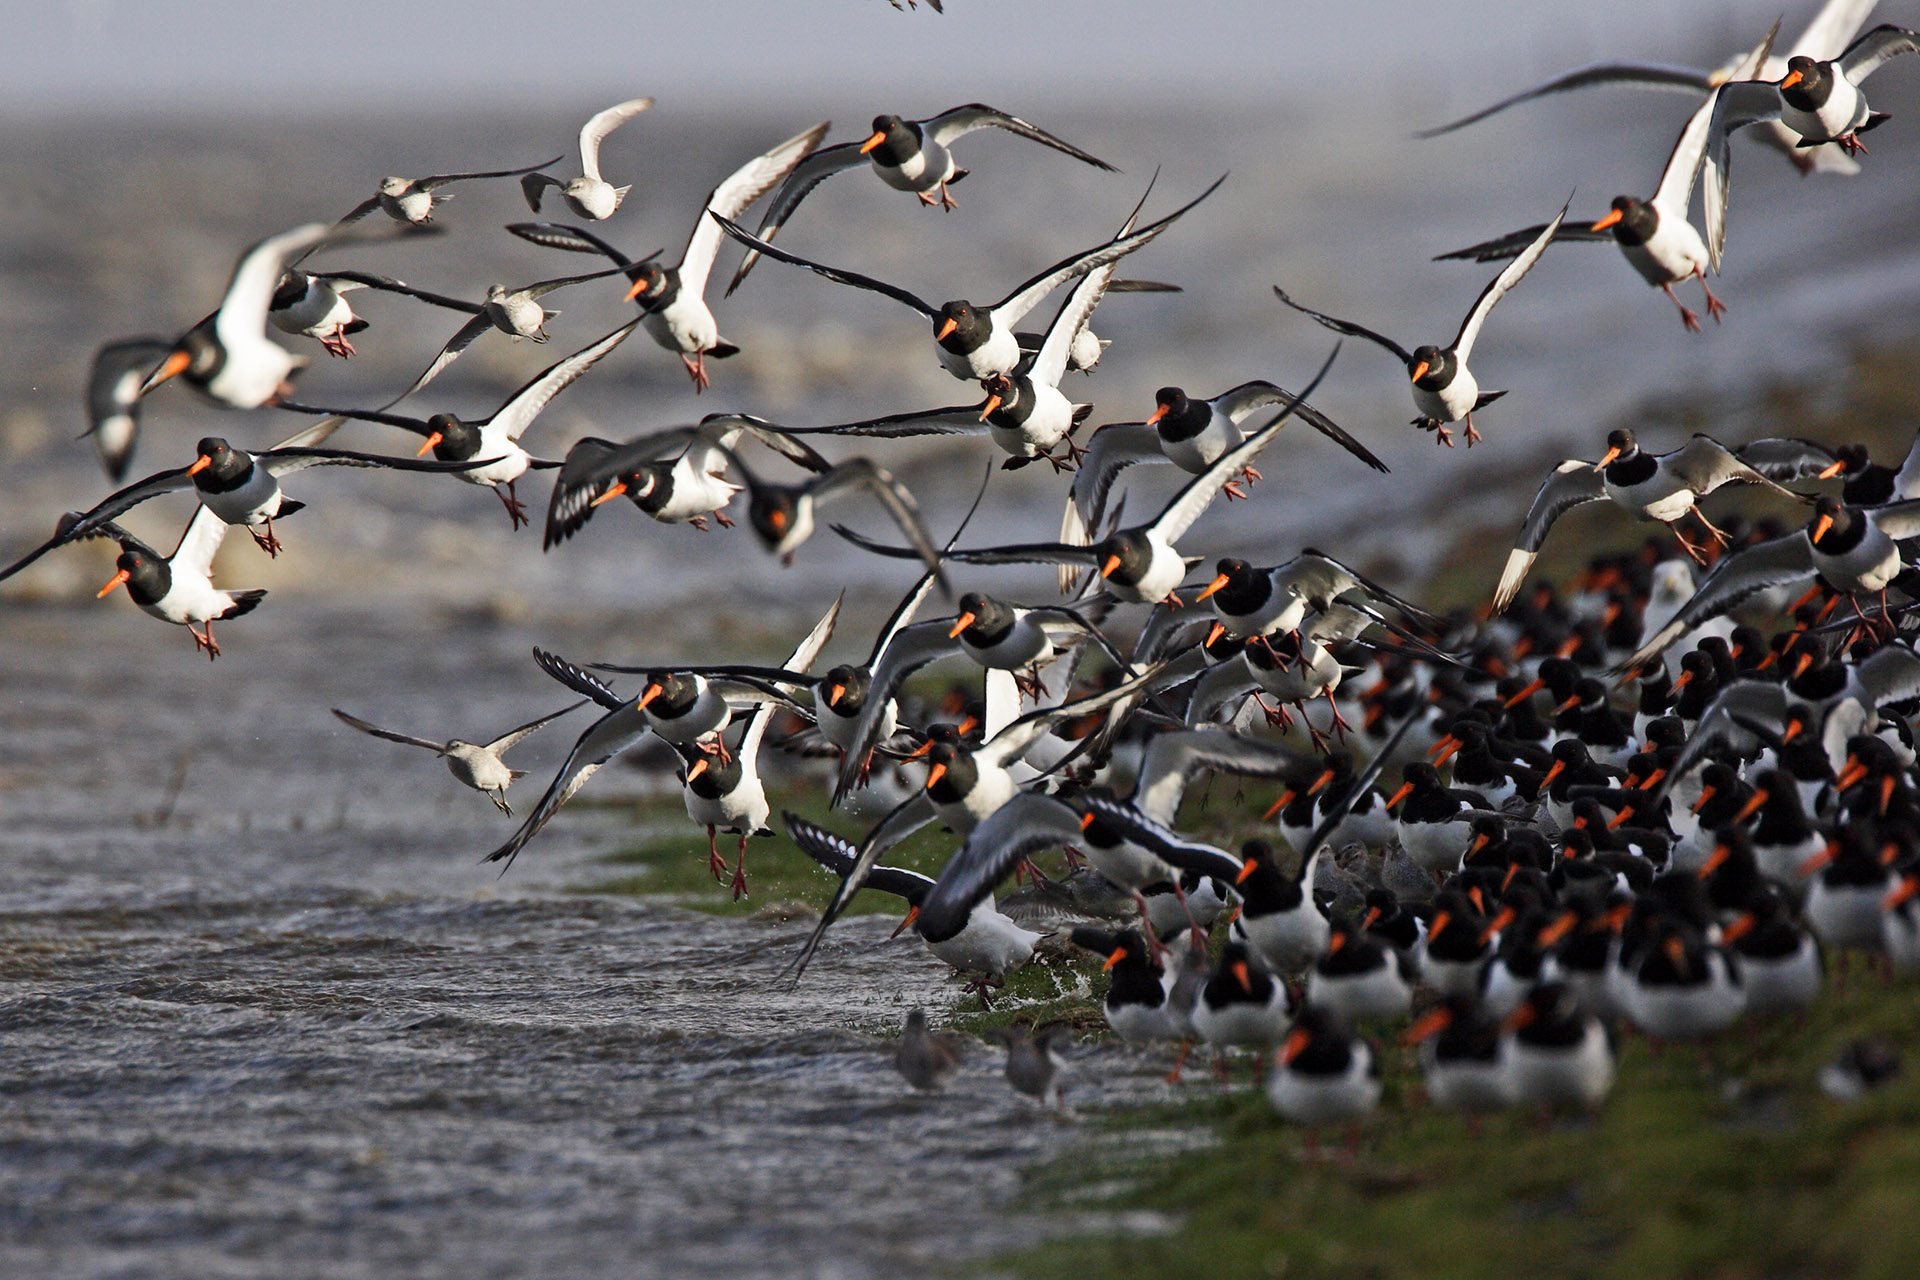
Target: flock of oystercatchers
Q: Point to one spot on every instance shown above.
(1666, 796)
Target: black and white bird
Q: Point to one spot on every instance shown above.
(782, 515)
(494, 440)
(411, 200)
(1189, 432)
(1824, 37)
(1650, 486)
(1864, 482)
(179, 588)
(973, 341)
(480, 765)
(722, 790)
(228, 356)
(1654, 235)
(314, 303)
(1325, 1075)
(987, 945)
(1854, 551)
(677, 475)
(1252, 600)
(113, 398)
(589, 195)
(672, 298)
(1444, 389)
(1139, 563)
(907, 155)
(1818, 100)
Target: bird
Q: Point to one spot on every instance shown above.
(495, 439)
(1654, 235)
(987, 946)
(314, 303)
(589, 195)
(973, 341)
(926, 1058)
(1189, 432)
(782, 515)
(1138, 1003)
(672, 298)
(1139, 563)
(1033, 1067)
(516, 312)
(1462, 1057)
(1258, 601)
(1444, 389)
(1824, 36)
(478, 765)
(723, 791)
(1853, 550)
(907, 155)
(242, 488)
(1650, 486)
(179, 588)
(676, 475)
(113, 398)
(228, 356)
(1325, 1075)
(1818, 100)
(1557, 1054)
(1866, 483)
(411, 200)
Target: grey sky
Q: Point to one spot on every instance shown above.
(335, 56)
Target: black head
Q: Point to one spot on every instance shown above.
(1009, 400)
(1125, 557)
(845, 690)
(961, 327)
(147, 578)
(951, 772)
(1807, 84)
(451, 439)
(670, 694)
(894, 141)
(771, 510)
(1621, 444)
(1431, 368)
(650, 485)
(983, 620)
(292, 288)
(650, 285)
(708, 778)
(218, 466)
(1631, 220)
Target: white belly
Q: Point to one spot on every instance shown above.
(684, 325)
(1581, 1076)
(1451, 402)
(1675, 253)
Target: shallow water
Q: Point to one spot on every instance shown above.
(274, 1018)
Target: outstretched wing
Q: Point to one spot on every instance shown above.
(514, 735)
(1639, 75)
(1497, 288)
(1571, 483)
(747, 183)
(836, 274)
(524, 405)
(1347, 327)
(1023, 826)
(594, 132)
(604, 739)
(960, 121)
(437, 748)
(1770, 564)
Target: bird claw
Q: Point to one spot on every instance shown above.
(500, 803)
(205, 641)
(516, 509)
(337, 345)
(698, 522)
(267, 542)
(1233, 490)
(724, 522)
(697, 369)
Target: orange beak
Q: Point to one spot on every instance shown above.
(1106, 570)
(1748, 809)
(1440, 922)
(619, 487)
(637, 288)
(1559, 767)
(1907, 889)
(880, 136)
(1821, 526)
(1706, 794)
(1448, 752)
(960, 624)
(1366, 921)
(1406, 789)
(1738, 929)
(1611, 218)
(648, 694)
(1832, 471)
(1246, 869)
(993, 402)
(1240, 973)
(1296, 1045)
(1495, 925)
(1435, 1021)
(1791, 79)
(1212, 587)
(934, 774)
(1653, 779)
(946, 329)
(1158, 414)
(1793, 727)
(699, 767)
(199, 464)
(1819, 860)
(1320, 782)
(1119, 954)
(1521, 1017)
(113, 582)
(1556, 931)
(1480, 842)
(1526, 693)
(1086, 821)
(778, 519)
(1605, 458)
(427, 446)
(912, 915)
(1419, 371)
(835, 692)
(1719, 855)
(1620, 817)
(175, 363)
(1336, 941)
(1214, 632)
(1567, 706)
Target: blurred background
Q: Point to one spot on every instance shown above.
(148, 144)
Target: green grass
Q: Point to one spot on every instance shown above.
(1723, 1163)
